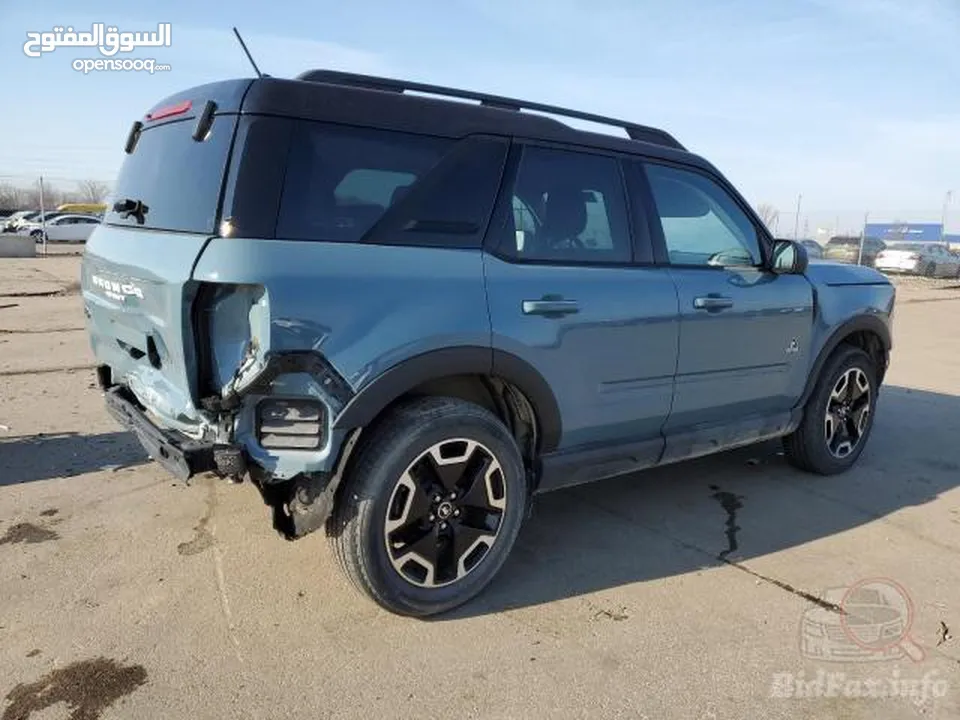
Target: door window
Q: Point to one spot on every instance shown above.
(567, 207)
(702, 224)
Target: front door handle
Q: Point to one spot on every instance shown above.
(712, 302)
(550, 307)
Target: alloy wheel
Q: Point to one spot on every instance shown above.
(445, 513)
(848, 412)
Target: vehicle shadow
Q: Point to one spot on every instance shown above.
(728, 508)
(30, 458)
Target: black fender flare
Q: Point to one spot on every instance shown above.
(370, 401)
(861, 323)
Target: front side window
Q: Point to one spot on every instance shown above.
(567, 206)
(702, 224)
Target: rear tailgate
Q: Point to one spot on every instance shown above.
(137, 267)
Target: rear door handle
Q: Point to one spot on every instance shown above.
(550, 308)
(712, 302)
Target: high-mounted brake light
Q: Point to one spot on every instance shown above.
(166, 112)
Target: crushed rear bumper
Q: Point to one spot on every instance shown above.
(180, 455)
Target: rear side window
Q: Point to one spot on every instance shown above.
(566, 207)
(176, 178)
(340, 181)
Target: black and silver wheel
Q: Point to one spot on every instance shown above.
(431, 506)
(838, 416)
(847, 413)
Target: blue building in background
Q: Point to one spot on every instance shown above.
(908, 232)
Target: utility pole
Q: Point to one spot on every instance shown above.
(43, 218)
(943, 219)
(863, 234)
(796, 223)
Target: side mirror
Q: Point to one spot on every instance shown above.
(789, 258)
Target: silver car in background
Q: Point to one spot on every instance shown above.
(927, 259)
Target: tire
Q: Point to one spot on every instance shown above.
(384, 496)
(930, 270)
(810, 446)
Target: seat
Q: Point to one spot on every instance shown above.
(565, 217)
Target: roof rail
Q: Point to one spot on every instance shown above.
(370, 82)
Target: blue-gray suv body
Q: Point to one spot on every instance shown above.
(402, 316)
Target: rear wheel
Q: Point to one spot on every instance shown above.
(431, 507)
(838, 416)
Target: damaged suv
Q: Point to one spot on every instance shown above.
(402, 315)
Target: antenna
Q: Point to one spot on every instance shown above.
(247, 52)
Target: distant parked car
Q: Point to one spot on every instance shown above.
(814, 250)
(24, 217)
(919, 259)
(846, 249)
(12, 221)
(63, 228)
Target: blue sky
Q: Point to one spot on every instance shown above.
(853, 103)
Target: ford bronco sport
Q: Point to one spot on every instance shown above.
(402, 310)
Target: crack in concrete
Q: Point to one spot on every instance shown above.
(39, 371)
(803, 594)
(34, 331)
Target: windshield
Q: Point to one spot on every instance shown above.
(176, 179)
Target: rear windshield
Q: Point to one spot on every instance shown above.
(177, 178)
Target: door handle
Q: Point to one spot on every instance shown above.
(550, 307)
(712, 302)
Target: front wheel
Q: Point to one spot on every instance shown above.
(838, 417)
(431, 507)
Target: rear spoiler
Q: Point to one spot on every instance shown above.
(203, 102)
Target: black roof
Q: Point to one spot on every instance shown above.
(387, 103)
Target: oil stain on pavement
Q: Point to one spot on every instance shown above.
(27, 533)
(731, 503)
(202, 537)
(87, 688)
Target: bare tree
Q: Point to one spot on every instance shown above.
(11, 197)
(52, 196)
(769, 214)
(92, 191)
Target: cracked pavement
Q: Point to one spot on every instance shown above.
(684, 592)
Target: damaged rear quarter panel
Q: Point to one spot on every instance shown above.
(364, 307)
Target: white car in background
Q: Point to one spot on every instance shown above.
(63, 228)
(918, 259)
